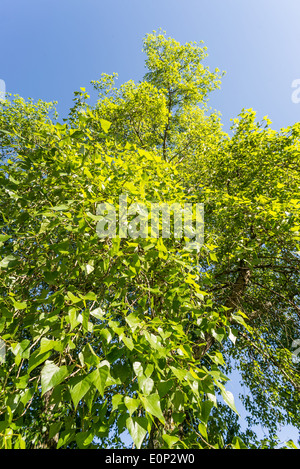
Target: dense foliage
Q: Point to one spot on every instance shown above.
(114, 335)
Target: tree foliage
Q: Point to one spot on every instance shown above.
(111, 335)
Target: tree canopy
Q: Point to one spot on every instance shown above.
(114, 335)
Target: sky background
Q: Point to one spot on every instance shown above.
(50, 48)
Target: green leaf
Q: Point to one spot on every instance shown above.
(217, 358)
(8, 261)
(73, 298)
(137, 427)
(54, 429)
(233, 335)
(19, 305)
(117, 399)
(138, 368)
(22, 382)
(20, 443)
(73, 317)
(151, 405)
(37, 358)
(65, 438)
(164, 387)
(202, 430)
(60, 208)
(85, 320)
(21, 348)
(179, 373)
(170, 440)
(229, 399)
(46, 345)
(146, 385)
(132, 404)
(4, 238)
(105, 125)
(88, 268)
(205, 410)
(99, 377)
(89, 296)
(178, 400)
(291, 444)
(84, 439)
(133, 321)
(237, 443)
(78, 388)
(213, 257)
(127, 341)
(106, 334)
(240, 320)
(52, 375)
(98, 313)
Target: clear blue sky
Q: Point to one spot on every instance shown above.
(50, 48)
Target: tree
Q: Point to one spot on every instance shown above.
(253, 183)
(111, 334)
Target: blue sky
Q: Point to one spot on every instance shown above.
(50, 48)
